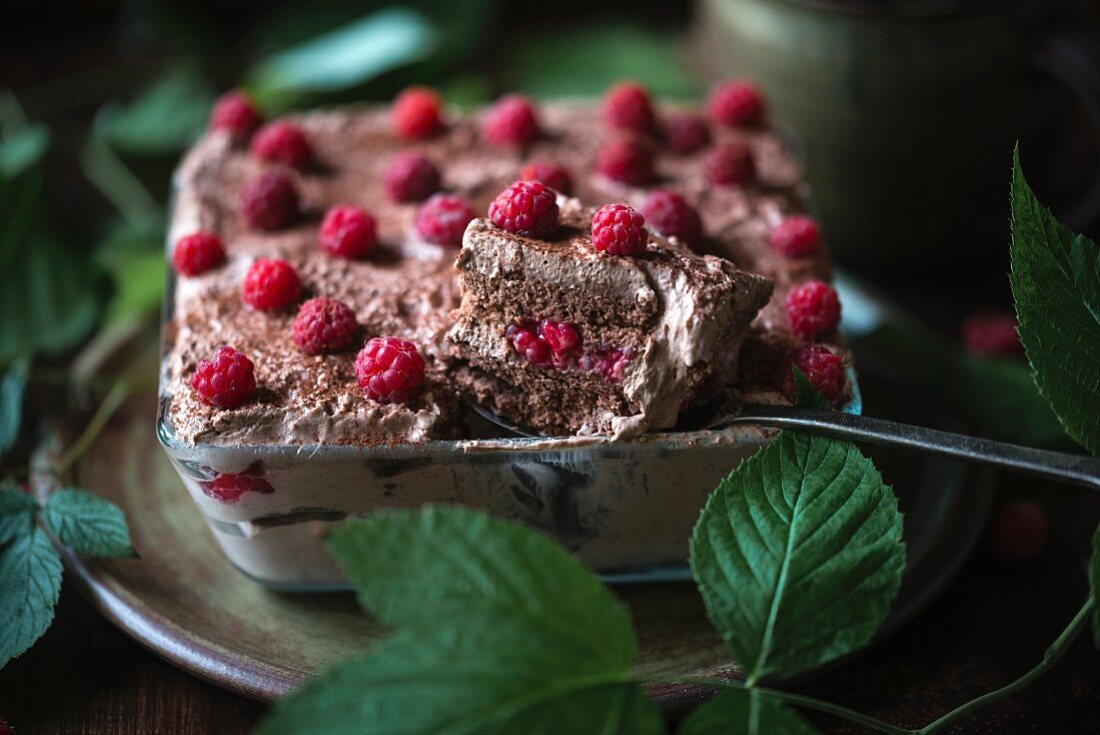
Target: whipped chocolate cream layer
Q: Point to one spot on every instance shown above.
(408, 288)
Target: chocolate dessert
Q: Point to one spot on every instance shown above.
(275, 201)
(573, 341)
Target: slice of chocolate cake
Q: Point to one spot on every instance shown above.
(566, 339)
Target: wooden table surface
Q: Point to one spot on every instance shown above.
(990, 626)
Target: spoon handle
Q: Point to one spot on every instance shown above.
(1059, 466)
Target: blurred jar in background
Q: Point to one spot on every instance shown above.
(908, 112)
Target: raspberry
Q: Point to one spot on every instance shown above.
(627, 107)
(992, 334)
(230, 488)
(411, 177)
(526, 341)
(609, 361)
(686, 133)
(235, 114)
(1018, 531)
(390, 370)
(5, 729)
(197, 253)
(511, 121)
(269, 201)
(796, 237)
(813, 309)
(443, 218)
(526, 208)
(618, 230)
(821, 366)
(627, 160)
(271, 284)
(282, 142)
(324, 325)
(730, 164)
(736, 102)
(417, 113)
(347, 231)
(226, 380)
(672, 216)
(556, 177)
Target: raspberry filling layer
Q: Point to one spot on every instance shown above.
(549, 343)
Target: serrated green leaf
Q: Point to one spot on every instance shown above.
(798, 555)
(17, 511)
(806, 393)
(23, 149)
(163, 119)
(349, 55)
(30, 583)
(12, 384)
(449, 566)
(1056, 283)
(450, 681)
(1094, 582)
(88, 524)
(745, 712)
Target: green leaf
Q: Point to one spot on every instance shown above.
(1094, 582)
(587, 60)
(30, 583)
(798, 555)
(12, 385)
(451, 681)
(806, 393)
(134, 257)
(17, 511)
(1056, 283)
(349, 55)
(24, 149)
(163, 120)
(88, 524)
(745, 712)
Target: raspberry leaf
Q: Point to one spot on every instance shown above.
(745, 712)
(806, 393)
(17, 511)
(161, 120)
(1056, 283)
(798, 555)
(30, 583)
(89, 525)
(23, 149)
(452, 681)
(12, 385)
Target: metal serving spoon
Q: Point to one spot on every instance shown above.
(1059, 466)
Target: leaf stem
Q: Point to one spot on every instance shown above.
(111, 402)
(1052, 656)
(117, 183)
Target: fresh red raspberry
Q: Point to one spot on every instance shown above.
(670, 214)
(627, 160)
(556, 177)
(525, 340)
(992, 334)
(813, 309)
(443, 218)
(324, 325)
(737, 102)
(609, 361)
(796, 237)
(197, 253)
(226, 380)
(282, 142)
(1019, 531)
(821, 366)
(527, 208)
(230, 488)
(417, 113)
(271, 284)
(730, 164)
(627, 107)
(686, 133)
(270, 201)
(235, 114)
(511, 121)
(390, 370)
(411, 177)
(347, 231)
(619, 230)
(5, 729)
